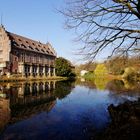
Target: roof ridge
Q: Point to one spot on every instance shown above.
(26, 38)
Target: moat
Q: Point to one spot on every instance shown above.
(60, 110)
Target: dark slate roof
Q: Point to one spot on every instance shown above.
(31, 45)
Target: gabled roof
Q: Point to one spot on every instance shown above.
(30, 45)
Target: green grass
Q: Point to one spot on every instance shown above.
(89, 76)
(14, 78)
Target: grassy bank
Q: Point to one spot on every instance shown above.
(17, 78)
(91, 76)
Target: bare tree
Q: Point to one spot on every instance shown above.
(105, 24)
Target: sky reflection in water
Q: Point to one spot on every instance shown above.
(80, 114)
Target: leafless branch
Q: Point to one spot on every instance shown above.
(101, 24)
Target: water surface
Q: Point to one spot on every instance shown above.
(60, 110)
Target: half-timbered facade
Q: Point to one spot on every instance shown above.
(21, 55)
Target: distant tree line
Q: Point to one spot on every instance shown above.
(127, 67)
(117, 65)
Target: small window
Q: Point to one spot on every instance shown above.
(30, 47)
(19, 39)
(23, 45)
(27, 42)
(37, 49)
(33, 44)
(42, 50)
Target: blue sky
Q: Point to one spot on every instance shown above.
(39, 20)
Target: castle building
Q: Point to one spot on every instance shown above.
(21, 55)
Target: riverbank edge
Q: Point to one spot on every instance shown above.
(15, 79)
(125, 122)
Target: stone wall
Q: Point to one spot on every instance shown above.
(4, 49)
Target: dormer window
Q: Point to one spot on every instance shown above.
(42, 50)
(23, 45)
(30, 47)
(37, 49)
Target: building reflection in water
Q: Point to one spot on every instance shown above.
(4, 111)
(21, 100)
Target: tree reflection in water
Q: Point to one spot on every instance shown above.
(123, 86)
(36, 109)
(104, 83)
(63, 89)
